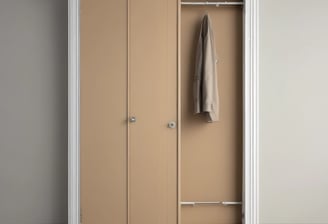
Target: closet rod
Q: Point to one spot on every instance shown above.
(193, 203)
(217, 4)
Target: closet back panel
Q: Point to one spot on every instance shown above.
(103, 111)
(211, 165)
(153, 100)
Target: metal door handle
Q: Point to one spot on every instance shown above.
(133, 119)
(171, 124)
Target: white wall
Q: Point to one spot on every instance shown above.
(294, 111)
(33, 111)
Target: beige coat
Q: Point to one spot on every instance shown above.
(206, 97)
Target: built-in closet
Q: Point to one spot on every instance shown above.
(146, 158)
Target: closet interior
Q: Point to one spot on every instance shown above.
(211, 153)
(146, 158)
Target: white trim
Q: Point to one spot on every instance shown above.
(251, 113)
(73, 113)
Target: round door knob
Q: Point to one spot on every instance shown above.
(132, 119)
(171, 124)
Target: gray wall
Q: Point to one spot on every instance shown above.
(33, 111)
(294, 111)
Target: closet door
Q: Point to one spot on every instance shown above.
(103, 111)
(153, 102)
(128, 68)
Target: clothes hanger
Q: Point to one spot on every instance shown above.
(206, 10)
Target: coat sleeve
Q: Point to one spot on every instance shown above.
(198, 75)
(210, 96)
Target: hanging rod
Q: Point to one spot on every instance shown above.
(225, 203)
(217, 4)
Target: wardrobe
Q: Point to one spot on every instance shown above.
(145, 157)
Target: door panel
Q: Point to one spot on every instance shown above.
(103, 111)
(153, 100)
(211, 153)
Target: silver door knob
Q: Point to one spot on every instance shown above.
(171, 124)
(132, 119)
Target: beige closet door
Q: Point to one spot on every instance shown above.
(153, 101)
(103, 111)
(128, 68)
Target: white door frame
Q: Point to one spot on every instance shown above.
(73, 112)
(251, 113)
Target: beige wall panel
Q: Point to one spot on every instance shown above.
(103, 111)
(153, 100)
(211, 166)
